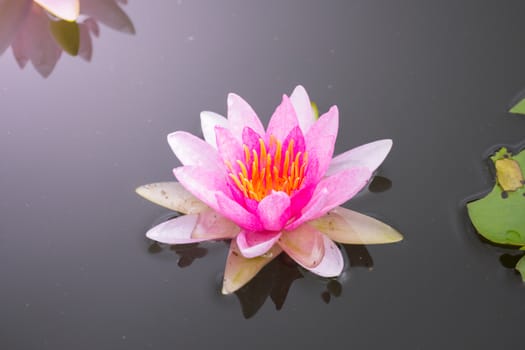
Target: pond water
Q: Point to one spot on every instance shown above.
(77, 271)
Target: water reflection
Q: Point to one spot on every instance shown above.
(273, 281)
(510, 260)
(276, 278)
(187, 253)
(379, 184)
(36, 36)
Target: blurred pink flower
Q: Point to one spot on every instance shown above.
(270, 190)
(30, 28)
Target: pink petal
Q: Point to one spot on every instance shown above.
(64, 9)
(191, 150)
(300, 199)
(12, 15)
(304, 245)
(172, 195)
(331, 192)
(320, 140)
(298, 140)
(85, 49)
(237, 213)
(343, 186)
(194, 228)
(303, 108)
(34, 42)
(202, 183)
(109, 13)
(283, 120)
(274, 211)
(369, 155)
(349, 227)
(332, 263)
(312, 210)
(240, 270)
(253, 244)
(209, 120)
(241, 115)
(212, 225)
(251, 139)
(229, 147)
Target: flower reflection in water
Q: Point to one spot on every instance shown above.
(38, 31)
(275, 279)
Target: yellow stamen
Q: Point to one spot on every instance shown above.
(267, 169)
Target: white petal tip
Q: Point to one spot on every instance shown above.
(66, 10)
(226, 291)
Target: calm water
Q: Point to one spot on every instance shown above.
(76, 270)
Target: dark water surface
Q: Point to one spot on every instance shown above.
(76, 271)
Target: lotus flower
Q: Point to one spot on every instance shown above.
(39, 30)
(269, 191)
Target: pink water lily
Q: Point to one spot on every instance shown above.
(270, 190)
(32, 28)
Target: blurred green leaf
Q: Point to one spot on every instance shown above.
(520, 266)
(67, 35)
(519, 108)
(500, 215)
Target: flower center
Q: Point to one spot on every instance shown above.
(264, 171)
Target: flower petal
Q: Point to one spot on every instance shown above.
(172, 195)
(251, 139)
(193, 228)
(12, 14)
(312, 210)
(349, 227)
(212, 225)
(240, 270)
(343, 186)
(229, 147)
(202, 183)
(320, 140)
(175, 231)
(283, 120)
(109, 13)
(253, 244)
(241, 115)
(331, 192)
(209, 120)
(303, 108)
(64, 9)
(332, 263)
(85, 49)
(237, 213)
(369, 155)
(274, 211)
(191, 150)
(34, 42)
(304, 245)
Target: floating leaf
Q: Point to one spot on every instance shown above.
(499, 216)
(520, 266)
(519, 108)
(67, 35)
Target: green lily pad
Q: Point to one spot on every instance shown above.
(520, 266)
(500, 215)
(519, 108)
